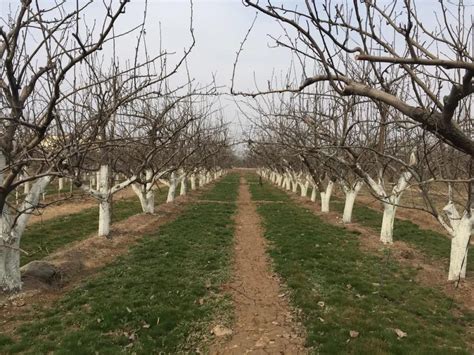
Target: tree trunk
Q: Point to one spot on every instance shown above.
(326, 197)
(10, 276)
(314, 193)
(104, 217)
(184, 187)
(294, 186)
(145, 193)
(104, 202)
(192, 180)
(459, 248)
(461, 229)
(172, 188)
(388, 219)
(348, 206)
(351, 194)
(304, 189)
(26, 187)
(97, 178)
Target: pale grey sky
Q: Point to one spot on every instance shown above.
(220, 26)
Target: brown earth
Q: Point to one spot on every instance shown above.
(423, 219)
(429, 273)
(264, 322)
(83, 259)
(72, 205)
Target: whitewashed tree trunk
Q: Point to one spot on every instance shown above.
(388, 220)
(304, 188)
(391, 201)
(351, 194)
(326, 197)
(60, 184)
(184, 187)
(279, 181)
(10, 276)
(145, 193)
(192, 180)
(172, 188)
(97, 179)
(459, 249)
(26, 187)
(104, 217)
(461, 229)
(104, 203)
(314, 193)
(294, 186)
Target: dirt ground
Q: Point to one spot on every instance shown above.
(264, 322)
(72, 206)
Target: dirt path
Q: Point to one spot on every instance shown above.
(264, 322)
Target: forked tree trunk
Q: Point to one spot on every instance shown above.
(390, 203)
(304, 188)
(461, 229)
(10, 276)
(294, 186)
(145, 193)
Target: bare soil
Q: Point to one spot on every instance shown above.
(264, 321)
(430, 273)
(423, 219)
(72, 205)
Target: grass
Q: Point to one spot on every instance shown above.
(41, 239)
(224, 189)
(360, 291)
(430, 243)
(264, 191)
(159, 298)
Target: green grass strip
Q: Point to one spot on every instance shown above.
(264, 192)
(361, 291)
(43, 238)
(159, 298)
(223, 190)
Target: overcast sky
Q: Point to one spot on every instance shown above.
(220, 26)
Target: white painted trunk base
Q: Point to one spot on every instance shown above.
(172, 188)
(388, 220)
(349, 206)
(459, 249)
(10, 236)
(326, 197)
(314, 193)
(184, 187)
